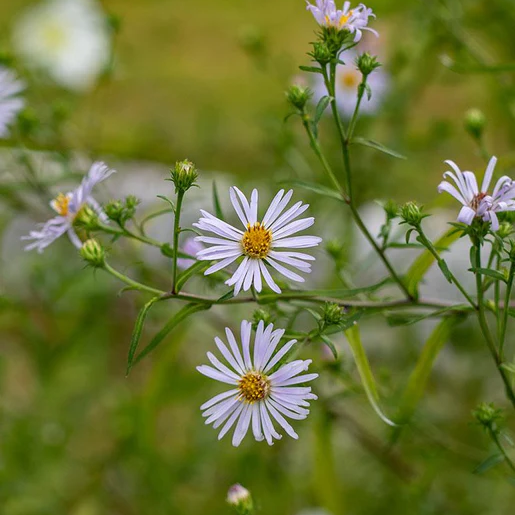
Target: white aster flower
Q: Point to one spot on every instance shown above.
(354, 20)
(479, 203)
(10, 103)
(267, 242)
(258, 391)
(68, 207)
(69, 39)
(348, 78)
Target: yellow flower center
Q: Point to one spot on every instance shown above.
(60, 204)
(253, 387)
(344, 18)
(256, 241)
(54, 36)
(350, 79)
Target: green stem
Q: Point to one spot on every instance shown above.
(134, 284)
(495, 437)
(125, 232)
(483, 323)
(506, 310)
(176, 232)
(354, 119)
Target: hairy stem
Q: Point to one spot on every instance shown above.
(176, 231)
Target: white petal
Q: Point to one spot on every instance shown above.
(282, 421)
(283, 270)
(297, 242)
(256, 423)
(221, 367)
(221, 264)
(296, 380)
(218, 398)
(271, 216)
(268, 278)
(234, 347)
(293, 227)
(466, 215)
(279, 355)
(242, 426)
(215, 374)
(228, 356)
(237, 207)
(488, 174)
(231, 421)
(246, 329)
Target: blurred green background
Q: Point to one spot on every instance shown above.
(206, 80)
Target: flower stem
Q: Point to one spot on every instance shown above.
(506, 310)
(495, 437)
(134, 284)
(176, 232)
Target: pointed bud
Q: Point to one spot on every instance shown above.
(184, 175)
(298, 96)
(367, 63)
(488, 416)
(411, 214)
(332, 315)
(87, 218)
(261, 315)
(475, 122)
(93, 253)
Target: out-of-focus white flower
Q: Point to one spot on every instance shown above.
(348, 78)
(238, 495)
(67, 207)
(313, 511)
(479, 203)
(191, 247)
(268, 242)
(258, 392)
(70, 39)
(354, 20)
(10, 103)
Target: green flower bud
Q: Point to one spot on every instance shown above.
(391, 209)
(93, 253)
(298, 96)
(475, 122)
(335, 39)
(336, 250)
(114, 210)
(261, 314)
(87, 218)
(332, 314)
(488, 416)
(505, 230)
(367, 63)
(321, 53)
(240, 499)
(411, 214)
(184, 175)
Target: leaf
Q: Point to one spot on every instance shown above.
(197, 268)
(509, 367)
(311, 69)
(315, 188)
(365, 372)
(423, 263)
(226, 296)
(330, 344)
(166, 199)
(445, 270)
(495, 274)
(398, 319)
(216, 202)
(136, 333)
(155, 215)
(418, 379)
(176, 319)
(377, 146)
(321, 107)
(489, 463)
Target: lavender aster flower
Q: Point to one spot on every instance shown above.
(259, 393)
(479, 203)
(268, 242)
(354, 20)
(10, 103)
(68, 206)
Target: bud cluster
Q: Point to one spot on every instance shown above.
(121, 212)
(488, 416)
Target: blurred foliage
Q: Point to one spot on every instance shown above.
(206, 80)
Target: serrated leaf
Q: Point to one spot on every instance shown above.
(494, 274)
(311, 69)
(321, 107)
(418, 379)
(197, 268)
(377, 146)
(489, 463)
(174, 321)
(365, 372)
(136, 333)
(330, 344)
(216, 202)
(423, 263)
(315, 188)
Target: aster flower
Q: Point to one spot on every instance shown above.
(259, 392)
(479, 203)
(10, 103)
(191, 247)
(69, 39)
(354, 20)
(348, 78)
(67, 208)
(265, 243)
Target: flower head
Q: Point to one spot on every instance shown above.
(479, 203)
(10, 103)
(354, 20)
(68, 206)
(261, 243)
(69, 39)
(259, 392)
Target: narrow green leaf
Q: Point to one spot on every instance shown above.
(398, 319)
(166, 199)
(176, 319)
(136, 333)
(226, 296)
(315, 188)
(310, 69)
(151, 216)
(423, 263)
(321, 107)
(489, 463)
(377, 146)
(418, 379)
(216, 201)
(509, 367)
(495, 274)
(365, 372)
(330, 344)
(197, 268)
(445, 270)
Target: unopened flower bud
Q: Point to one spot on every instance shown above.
(505, 230)
(332, 314)
(87, 217)
(239, 498)
(411, 214)
(336, 250)
(92, 252)
(114, 210)
(261, 315)
(184, 175)
(367, 63)
(321, 53)
(298, 96)
(487, 415)
(475, 122)
(391, 209)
